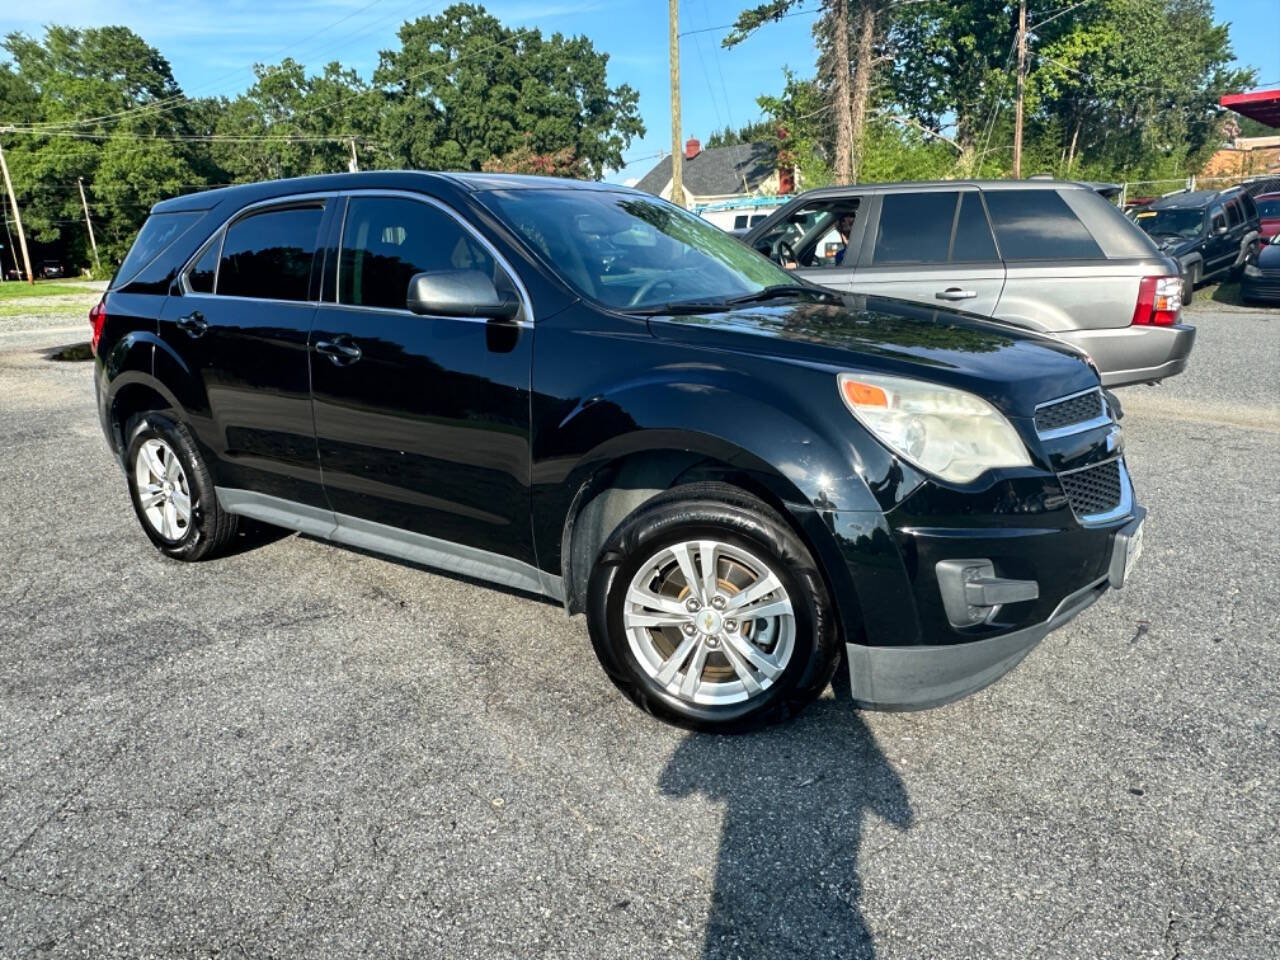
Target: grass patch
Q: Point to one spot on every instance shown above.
(20, 309)
(16, 290)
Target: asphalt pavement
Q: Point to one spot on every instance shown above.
(304, 751)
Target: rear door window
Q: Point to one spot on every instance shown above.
(156, 235)
(914, 228)
(203, 273)
(386, 240)
(268, 255)
(973, 242)
(1038, 225)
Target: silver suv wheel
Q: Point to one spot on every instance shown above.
(709, 622)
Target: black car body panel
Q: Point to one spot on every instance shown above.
(486, 440)
(1260, 281)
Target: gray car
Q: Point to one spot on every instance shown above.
(1047, 255)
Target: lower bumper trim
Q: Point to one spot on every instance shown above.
(920, 677)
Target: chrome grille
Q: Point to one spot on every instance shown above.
(1058, 415)
(1094, 490)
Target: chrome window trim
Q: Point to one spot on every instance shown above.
(1099, 421)
(1122, 509)
(221, 235)
(525, 300)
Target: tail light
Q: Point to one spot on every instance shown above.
(1159, 301)
(97, 318)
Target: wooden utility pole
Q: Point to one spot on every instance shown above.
(354, 165)
(17, 217)
(677, 148)
(1022, 77)
(89, 223)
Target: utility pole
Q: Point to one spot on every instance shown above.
(17, 216)
(1022, 76)
(89, 223)
(354, 165)
(677, 148)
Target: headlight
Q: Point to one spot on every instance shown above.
(1252, 270)
(948, 433)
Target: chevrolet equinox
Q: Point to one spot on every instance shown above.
(584, 392)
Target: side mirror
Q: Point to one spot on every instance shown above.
(459, 293)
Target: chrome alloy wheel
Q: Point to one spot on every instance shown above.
(709, 622)
(163, 492)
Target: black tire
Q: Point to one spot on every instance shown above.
(210, 528)
(731, 516)
(1189, 286)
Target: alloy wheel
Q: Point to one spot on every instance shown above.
(709, 622)
(163, 492)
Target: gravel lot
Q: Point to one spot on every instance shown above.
(301, 750)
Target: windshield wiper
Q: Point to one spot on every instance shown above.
(780, 290)
(728, 303)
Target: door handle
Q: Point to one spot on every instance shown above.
(193, 324)
(955, 293)
(340, 350)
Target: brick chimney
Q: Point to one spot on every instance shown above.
(692, 148)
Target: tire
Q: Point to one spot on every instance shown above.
(797, 651)
(155, 441)
(1189, 285)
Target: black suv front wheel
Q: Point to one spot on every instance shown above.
(707, 610)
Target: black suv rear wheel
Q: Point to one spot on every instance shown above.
(172, 490)
(707, 610)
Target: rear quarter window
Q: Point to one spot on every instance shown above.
(156, 236)
(1038, 225)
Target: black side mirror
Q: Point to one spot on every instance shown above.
(459, 293)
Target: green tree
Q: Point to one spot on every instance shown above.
(463, 89)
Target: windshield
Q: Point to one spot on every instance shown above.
(1171, 223)
(633, 252)
(1269, 209)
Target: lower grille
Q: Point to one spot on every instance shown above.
(1069, 412)
(1094, 490)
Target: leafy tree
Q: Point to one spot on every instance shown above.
(463, 89)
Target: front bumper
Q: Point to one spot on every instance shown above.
(1135, 354)
(917, 677)
(1264, 289)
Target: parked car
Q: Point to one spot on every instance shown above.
(1260, 279)
(1046, 255)
(50, 270)
(1210, 233)
(737, 477)
(1268, 205)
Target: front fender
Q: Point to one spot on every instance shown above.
(815, 464)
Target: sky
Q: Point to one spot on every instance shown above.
(212, 45)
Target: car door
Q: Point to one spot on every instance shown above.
(1220, 249)
(422, 422)
(817, 239)
(934, 247)
(239, 321)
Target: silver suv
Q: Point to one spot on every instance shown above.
(1048, 255)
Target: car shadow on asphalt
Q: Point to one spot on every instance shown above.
(796, 799)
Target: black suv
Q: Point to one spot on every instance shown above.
(1208, 232)
(734, 475)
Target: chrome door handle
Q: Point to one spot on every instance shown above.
(340, 350)
(955, 293)
(193, 324)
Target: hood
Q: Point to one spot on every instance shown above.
(1268, 258)
(1172, 244)
(1009, 366)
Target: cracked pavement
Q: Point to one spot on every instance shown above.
(302, 750)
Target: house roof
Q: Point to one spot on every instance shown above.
(717, 171)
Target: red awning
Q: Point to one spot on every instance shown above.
(1260, 105)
